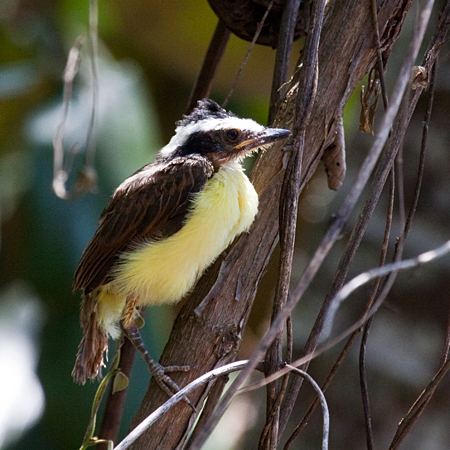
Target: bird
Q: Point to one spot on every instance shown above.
(162, 227)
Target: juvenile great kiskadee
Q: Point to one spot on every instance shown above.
(163, 226)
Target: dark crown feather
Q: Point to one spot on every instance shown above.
(205, 109)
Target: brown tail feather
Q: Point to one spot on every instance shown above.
(94, 343)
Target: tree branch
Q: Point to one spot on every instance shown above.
(212, 337)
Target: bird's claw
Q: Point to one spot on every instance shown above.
(166, 383)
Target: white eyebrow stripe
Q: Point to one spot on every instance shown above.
(183, 131)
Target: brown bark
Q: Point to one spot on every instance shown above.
(208, 330)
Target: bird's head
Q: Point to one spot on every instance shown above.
(219, 135)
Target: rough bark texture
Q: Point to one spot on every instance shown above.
(208, 330)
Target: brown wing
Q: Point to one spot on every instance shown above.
(151, 204)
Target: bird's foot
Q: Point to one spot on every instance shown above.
(158, 371)
(166, 383)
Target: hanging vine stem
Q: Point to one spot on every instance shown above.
(367, 325)
(247, 54)
(418, 406)
(363, 381)
(428, 61)
(288, 208)
(283, 56)
(414, 413)
(376, 28)
(89, 438)
(324, 387)
(62, 160)
(347, 346)
(115, 401)
(323, 404)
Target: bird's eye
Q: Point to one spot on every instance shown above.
(232, 134)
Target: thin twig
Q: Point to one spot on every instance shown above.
(87, 177)
(213, 397)
(60, 169)
(376, 273)
(409, 421)
(324, 387)
(247, 54)
(272, 417)
(289, 207)
(373, 7)
(344, 352)
(289, 340)
(323, 404)
(288, 210)
(93, 53)
(89, 434)
(362, 354)
(446, 347)
(275, 407)
(418, 407)
(363, 381)
(115, 401)
(363, 385)
(400, 188)
(426, 121)
(368, 165)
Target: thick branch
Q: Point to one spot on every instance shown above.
(208, 330)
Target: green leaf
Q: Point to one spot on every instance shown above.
(120, 382)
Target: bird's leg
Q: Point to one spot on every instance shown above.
(157, 370)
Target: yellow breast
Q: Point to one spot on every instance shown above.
(164, 271)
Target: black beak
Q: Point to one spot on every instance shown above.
(268, 136)
(271, 135)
